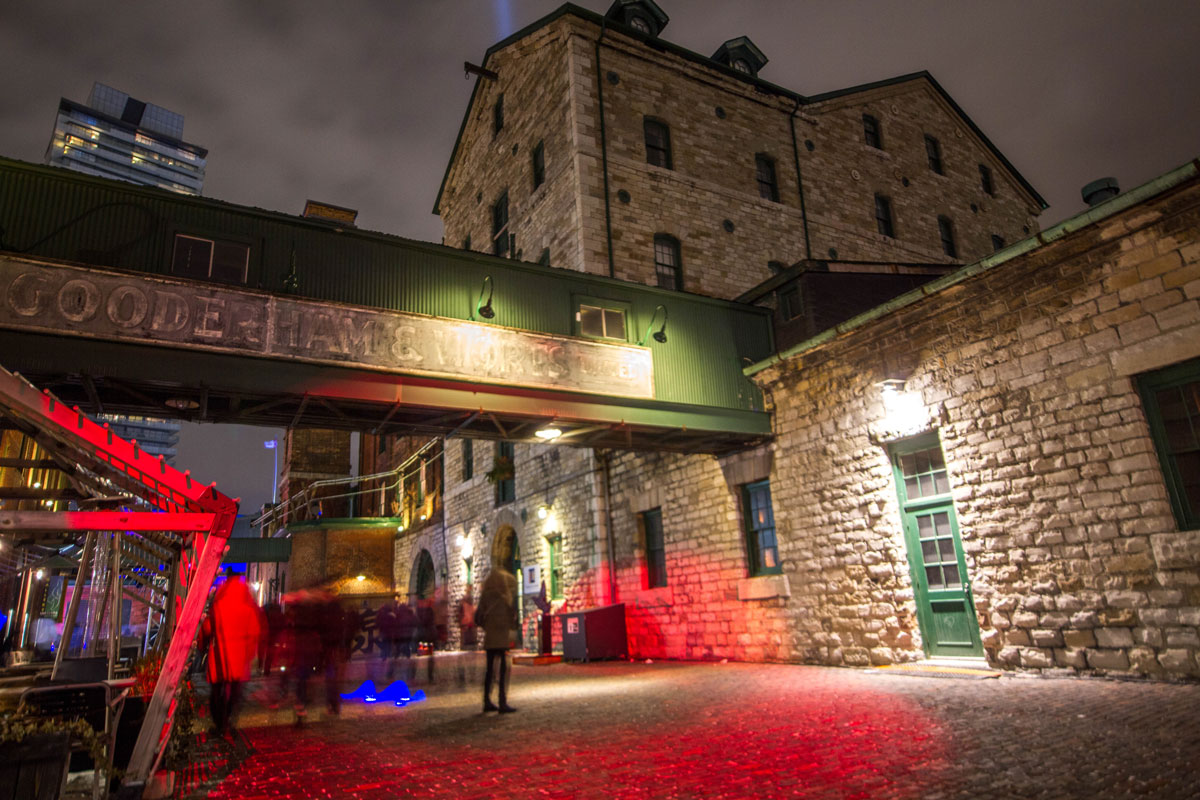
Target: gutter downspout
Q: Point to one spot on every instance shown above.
(604, 457)
(612, 270)
(799, 179)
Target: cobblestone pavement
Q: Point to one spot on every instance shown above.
(667, 730)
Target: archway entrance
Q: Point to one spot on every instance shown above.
(422, 584)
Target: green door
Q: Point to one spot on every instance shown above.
(942, 589)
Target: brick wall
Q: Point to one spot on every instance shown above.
(718, 124)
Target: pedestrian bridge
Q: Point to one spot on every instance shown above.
(123, 299)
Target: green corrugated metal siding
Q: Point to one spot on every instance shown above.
(54, 213)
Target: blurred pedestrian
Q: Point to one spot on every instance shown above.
(232, 632)
(337, 631)
(467, 636)
(404, 640)
(305, 613)
(497, 615)
(427, 632)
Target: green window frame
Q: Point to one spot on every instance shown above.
(1171, 399)
(500, 241)
(554, 544)
(506, 490)
(656, 553)
(468, 459)
(762, 546)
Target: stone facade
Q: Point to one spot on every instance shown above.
(709, 198)
(1026, 371)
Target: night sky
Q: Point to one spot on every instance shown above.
(358, 103)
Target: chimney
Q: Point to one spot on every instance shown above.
(324, 212)
(1100, 190)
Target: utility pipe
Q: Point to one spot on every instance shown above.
(612, 269)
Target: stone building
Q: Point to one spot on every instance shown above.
(1018, 512)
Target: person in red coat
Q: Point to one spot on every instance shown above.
(232, 631)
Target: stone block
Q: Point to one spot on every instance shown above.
(1079, 638)
(1113, 637)
(1117, 616)
(1070, 657)
(1178, 662)
(1182, 637)
(1037, 657)
(1046, 638)
(1144, 660)
(1116, 660)
(1018, 637)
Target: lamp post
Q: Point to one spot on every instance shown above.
(273, 446)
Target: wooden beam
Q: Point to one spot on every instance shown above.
(89, 386)
(299, 412)
(29, 463)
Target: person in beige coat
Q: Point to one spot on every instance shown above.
(496, 614)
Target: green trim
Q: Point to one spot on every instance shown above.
(1063, 229)
(345, 522)
(1149, 385)
(754, 548)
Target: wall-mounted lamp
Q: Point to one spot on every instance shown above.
(483, 309)
(400, 528)
(41, 573)
(548, 434)
(543, 511)
(903, 410)
(660, 335)
(360, 578)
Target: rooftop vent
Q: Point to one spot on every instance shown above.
(742, 55)
(644, 16)
(324, 212)
(1100, 190)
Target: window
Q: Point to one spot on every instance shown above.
(539, 165)
(467, 243)
(656, 555)
(468, 459)
(658, 143)
(985, 179)
(883, 216)
(210, 259)
(544, 258)
(506, 488)
(556, 587)
(761, 545)
(764, 171)
(639, 24)
(871, 132)
(381, 444)
(789, 302)
(946, 231)
(933, 151)
(500, 226)
(997, 243)
(602, 323)
(666, 262)
(498, 114)
(742, 65)
(1171, 398)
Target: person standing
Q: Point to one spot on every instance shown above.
(497, 615)
(232, 632)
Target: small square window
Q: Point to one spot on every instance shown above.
(871, 132)
(997, 243)
(789, 302)
(467, 243)
(498, 114)
(658, 142)
(985, 179)
(544, 258)
(933, 152)
(602, 323)
(883, 216)
(210, 259)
